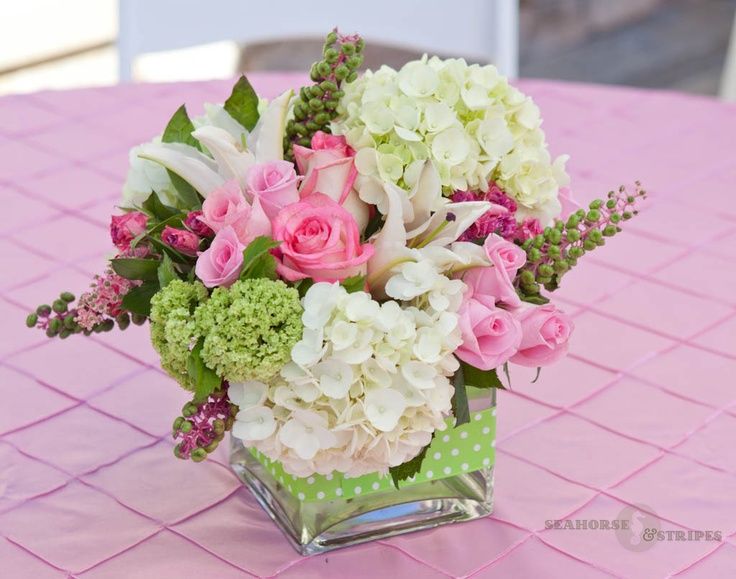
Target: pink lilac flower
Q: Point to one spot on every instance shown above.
(104, 300)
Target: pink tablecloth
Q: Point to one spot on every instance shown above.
(642, 412)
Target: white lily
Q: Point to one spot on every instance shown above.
(426, 196)
(232, 161)
(267, 139)
(450, 222)
(194, 167)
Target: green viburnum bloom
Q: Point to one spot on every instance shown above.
(249, 329)
(173, 330)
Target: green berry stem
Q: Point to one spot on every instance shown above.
(316, 105)
(557, 249)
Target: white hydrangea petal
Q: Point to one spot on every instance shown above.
(247, 394)
(255, 423)
(335, 377)
(384, 407)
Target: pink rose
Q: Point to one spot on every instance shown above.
(320, 240)
(125, 228)
(274, 184)
(545, 335)
(491, 336)
(322, 141)
(195, 223)
(497, 280)
(181, 240)
(328, 168)
(220, 264)
(227, 207)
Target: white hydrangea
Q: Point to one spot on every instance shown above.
(467, 119)
(368, 385)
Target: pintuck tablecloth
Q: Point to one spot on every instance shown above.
(641, 413)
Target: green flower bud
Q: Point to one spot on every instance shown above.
(305, 142)
(553, 251)
(593, 216)
(627, 215)
(218, 425)
(597, 204)
(331, 55)
(178, 421)
(526, 277)
(316, 104)
(555, 236)
(534, 254)
(589, 245)
(572, 222)
(177, 452)
(312, 126)
(69, 323)
(338, 94)
(341, 72)
(609, 230)
(67, 297)
(545, 271)
(50, 332)
(573, 235)
(31, 320)
(331, 104)
(561, 266)
(324, 70)
(354, 62)
(59, 306)
(44, 310)
(360, 44)
(198, 454)
(123, 320)
(595, 235)
(538, 241)
(186, 426)
(328, 86)
(331, 38)
(615, 217)
(314, 72)
(559, 225)
(580, 213)
(322, 118)
(64, 334)
(55, 324)
(611, 203)
(348, 48)
(138, 319)
(352, 77)
(107, 325)
(190, 409)
(544, 280)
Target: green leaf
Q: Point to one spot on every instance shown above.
(410, 468)
(204, 379)
(354, 284)
(508, 374)
(302, 286)
(480, 378)
(190, 199)
(153, 207)
(257, 259)
(166, 272)
(460, 408)
(242, 104)
(135, 268)
(179, 129)
(138, 300)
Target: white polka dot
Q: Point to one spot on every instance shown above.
(455, 452)
(375, 486)
(446, 438)
(486, 430)
(429, 474)
(464, 466)
(493, 412)
(310, 480)
(328, 477)
(463, 434)
(493, 444)
(437, 455)
(486, 461)
(357, 490)
(338, 492)
(476, 447)
(301, 496)
(447, 470)
(320, 495)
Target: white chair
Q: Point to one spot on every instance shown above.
(728, 80)
(486, 30)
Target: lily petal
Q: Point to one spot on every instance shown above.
(232, 163)
(465, 214)
(267, 139)
(195, 168)
(426, 196)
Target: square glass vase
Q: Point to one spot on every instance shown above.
(321, 513)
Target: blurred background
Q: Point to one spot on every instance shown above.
(672, 44)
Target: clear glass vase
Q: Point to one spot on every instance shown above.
(315, 526)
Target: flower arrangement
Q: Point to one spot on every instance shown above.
(327, 272)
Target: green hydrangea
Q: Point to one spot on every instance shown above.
(249, 329)
(173, 330)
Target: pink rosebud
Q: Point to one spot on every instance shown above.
(497, 280)
(124, 228)
(322, 141)
(545, 335)
(274, 184)
(195, 223)
(220, 264)
(491, 336)
(227, 207)
(181, 240)
(320, 240)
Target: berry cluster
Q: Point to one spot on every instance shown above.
(553, 252)
(316, 105)
(203, 425)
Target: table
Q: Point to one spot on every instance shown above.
(642, 412)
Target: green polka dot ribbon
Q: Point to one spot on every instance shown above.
(454, 451)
